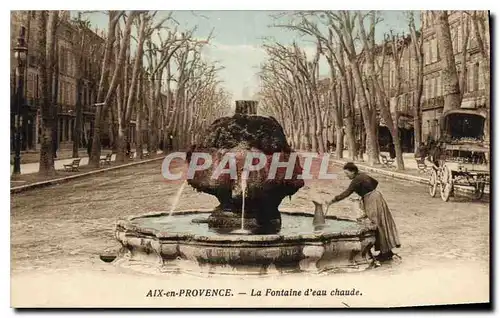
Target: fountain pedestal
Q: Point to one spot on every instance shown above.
(246, 134)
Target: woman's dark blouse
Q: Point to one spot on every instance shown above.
(361, 184)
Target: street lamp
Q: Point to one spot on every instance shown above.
(20, 53)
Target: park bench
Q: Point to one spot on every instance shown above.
(386, 161)
(421, 165)
(106, 159)
(132, 155)
(73, 166)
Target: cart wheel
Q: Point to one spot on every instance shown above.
(478, 191)
(433, 182)
(446, 184)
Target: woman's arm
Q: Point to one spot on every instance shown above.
(346, 193)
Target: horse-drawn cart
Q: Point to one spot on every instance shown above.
(463, 159)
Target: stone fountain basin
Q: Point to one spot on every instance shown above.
(178, 244)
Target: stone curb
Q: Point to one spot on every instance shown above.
(397, 175)
(40, 184)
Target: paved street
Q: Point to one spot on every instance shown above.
(69, 225)
(59, 164)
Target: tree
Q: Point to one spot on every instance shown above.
(344, 24)
(384, 92)
(449, 75)
(417, 41)
(114, 17)
(85, 49)
(480, 22)
(290, 79)
(47, 24)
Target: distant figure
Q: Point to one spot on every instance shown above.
(129, 151)
(89, 146)
(329, 146)
(422, 151)
(54, 144)
(171, 142)
(392, 151)
(435, 153)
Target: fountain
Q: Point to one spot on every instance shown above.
(246, 233)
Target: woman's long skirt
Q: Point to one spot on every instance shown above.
(378, 212)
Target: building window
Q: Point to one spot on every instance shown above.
(62, 60)
(37, 86)
(437, 52)
(475, 78)
(470, 79)
(435, 87)
(69, 64)
(481, 78)
(464, 76)
(434, 50)
(459, 40)
(60, 93)
(29, 92)
(426, 53)
(429, 88)
(66, 93)
(431, 43)
(72, 94)
(454, 41)
(440, 84)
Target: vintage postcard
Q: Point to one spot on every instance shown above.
(225, 159)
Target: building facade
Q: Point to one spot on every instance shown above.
(401, 102)
(474, 90)
(67, 82)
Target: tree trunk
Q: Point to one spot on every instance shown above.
(55, 92)
(46, 63)
(449, 76)
(95, 154)
(417, 114)
(77, 129)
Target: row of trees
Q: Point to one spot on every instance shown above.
(293, 92)
(147, 71)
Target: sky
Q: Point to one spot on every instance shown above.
(239, 35)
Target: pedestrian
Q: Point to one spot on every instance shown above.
(435, 153)
(129, 150)
(392, 151)
(54, 144)
(89, 146)
(421, 151)
(375, 208)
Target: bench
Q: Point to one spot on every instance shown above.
(386, 161)
(421, 165)
(73, 166)
(132, 155)
(106, 159)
